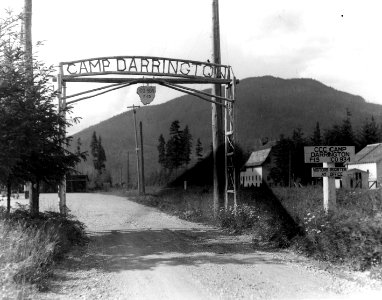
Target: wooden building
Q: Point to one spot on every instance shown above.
(369, 159)
(256, 170)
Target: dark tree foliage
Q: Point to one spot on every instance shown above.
(370, 133)
(280, 173)
(316, 138)
(199, 150)
(341, 135)
(177, 151)
(98, 153)
(186, 144)
(162, 151)
(32, 133)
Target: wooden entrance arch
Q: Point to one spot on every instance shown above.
(122, 71)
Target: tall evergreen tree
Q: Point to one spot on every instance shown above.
(101, 156)
(186, 145)
(174, 147)
(369, 134)
(199, 150)
(316, 138)
(162, 151)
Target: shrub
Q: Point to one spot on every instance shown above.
(343, 237)
(31, 245)
(244, 217)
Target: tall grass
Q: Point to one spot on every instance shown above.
(351, 235)
(29, 248)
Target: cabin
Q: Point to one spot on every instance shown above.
(369, 160)
(256, 170)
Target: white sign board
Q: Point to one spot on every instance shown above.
(146, 93)
(329, 154)
(327, 172)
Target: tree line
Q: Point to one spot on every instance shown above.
(289, 151)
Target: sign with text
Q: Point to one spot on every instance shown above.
(146, 93)
(145, 65)
(329, 154)
(327, 172)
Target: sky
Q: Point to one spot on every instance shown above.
(337, 42)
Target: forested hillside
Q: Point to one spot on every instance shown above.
(265, 107)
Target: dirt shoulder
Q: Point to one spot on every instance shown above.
(138, 252)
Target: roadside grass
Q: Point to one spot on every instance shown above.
(351, 236)
(30, 247)
(257, 213)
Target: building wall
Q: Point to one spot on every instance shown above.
(251, 176)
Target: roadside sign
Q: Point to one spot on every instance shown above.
(327, 172)
(329, 154)
(146, 93)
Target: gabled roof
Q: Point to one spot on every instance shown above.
(370, 154)
(257, 158)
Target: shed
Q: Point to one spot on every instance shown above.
(355, 178)
(369, 159)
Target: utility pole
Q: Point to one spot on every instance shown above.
(136, 146)
(217, 116)
(142, 162)
(128, 172)
(27, 41)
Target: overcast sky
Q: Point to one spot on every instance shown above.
(336, 42)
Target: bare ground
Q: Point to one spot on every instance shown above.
(138, 252)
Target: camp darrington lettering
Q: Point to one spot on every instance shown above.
(140, 65)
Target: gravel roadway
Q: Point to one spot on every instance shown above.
(138, 252)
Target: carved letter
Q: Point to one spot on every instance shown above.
(67, 69)
(155, 65)
(133, 65)
(207, 74)
(174, 69)
(94, 65)
(145, 65)
(187, 69)
(121, 60)
(105, 64)
(83, 67)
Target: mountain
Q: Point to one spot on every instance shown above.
(265, 107)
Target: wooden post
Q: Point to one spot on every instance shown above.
(136, 148)
(128, 171)
(142, 162)
(217, 116)
(27, 40)
(62, 186)
(329, 190)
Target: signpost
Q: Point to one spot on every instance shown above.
(328, 156)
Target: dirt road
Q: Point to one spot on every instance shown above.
(137, 252)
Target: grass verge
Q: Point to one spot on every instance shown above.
(350, 236)
(29, 248)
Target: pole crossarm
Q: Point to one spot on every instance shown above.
(181, 89)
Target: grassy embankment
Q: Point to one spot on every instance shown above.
(284, 217)
(29, 248)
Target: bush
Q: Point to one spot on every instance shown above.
(31, 245)
(342, 237)
(245, 217)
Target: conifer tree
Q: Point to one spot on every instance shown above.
(162, 151)
(199, 150)
(369, 134)
(186, 145)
